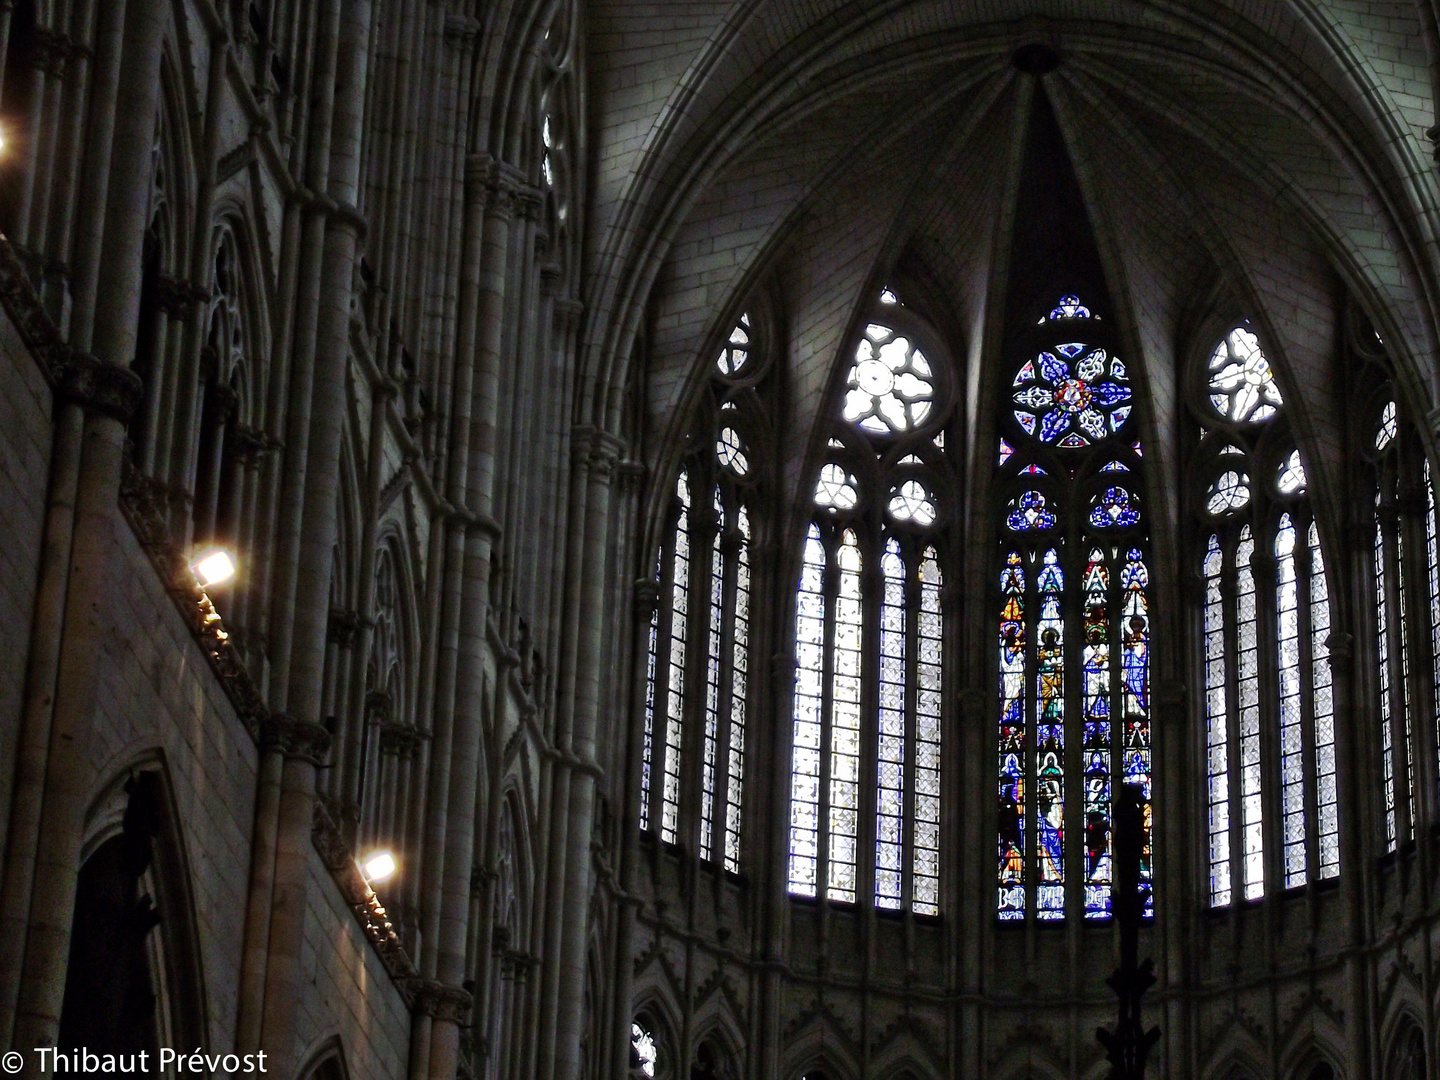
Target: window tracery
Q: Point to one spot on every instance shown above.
(1073, 593)
(1265, 625)
(698, 646)
(869, 632)
(1406, 601)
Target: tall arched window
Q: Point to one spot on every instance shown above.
(1265, 624)
(698, 654)
(865, 787)
(1073, 609)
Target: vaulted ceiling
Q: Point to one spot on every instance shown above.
(1260, 157)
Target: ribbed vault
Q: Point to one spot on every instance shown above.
(1266, 158)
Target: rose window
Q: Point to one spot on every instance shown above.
(1242, 386)
(891, 385)
(1072, 406)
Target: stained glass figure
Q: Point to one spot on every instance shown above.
(1136, 762)
(1028, 513)
(1072, 407)
(735, 353)
(1242, 386)
(1012, 876)
(1114, 508)
(1097, 737)
(891, 384)
(1050, 740)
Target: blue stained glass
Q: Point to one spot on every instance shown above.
(1029, 513)
(1118, 418)
(1093, 423)
(1109, 393)
(1114, 509)
(1050, 741)
(1117, 369)
(1092, 367)
(1027, 421)
(1025, 374)
(1069, 307)
(1052, 368)
(1006, 450)
(1010, 806)
(1052, 424)
(1115, 466)
(1072, 350)
(1032, 470)
(1074, 439)
(1034, 397)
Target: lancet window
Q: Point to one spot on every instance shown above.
(698, 655)
(1073, 619)
(1265, 620)
(869, 630)
(1405, 624)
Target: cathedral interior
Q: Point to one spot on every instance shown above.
(656, 539)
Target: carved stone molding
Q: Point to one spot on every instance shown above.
(295, 738)
(178, 299)
(399, 740)
(344, 627)
(108, 389)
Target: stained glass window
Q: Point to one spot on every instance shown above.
(1242, 386)
(891, 383)
(869, 688)
(1265, 621)
(1074, 629)
(1072, 395)
(700, 629)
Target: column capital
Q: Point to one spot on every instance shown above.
(295, 738)
(440, 1001)
(110, 389)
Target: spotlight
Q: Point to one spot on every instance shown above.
(214, 568)
(378, 866)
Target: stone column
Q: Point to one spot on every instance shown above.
(590, 616)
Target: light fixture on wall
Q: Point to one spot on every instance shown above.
(214, 567)
(378, 866)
